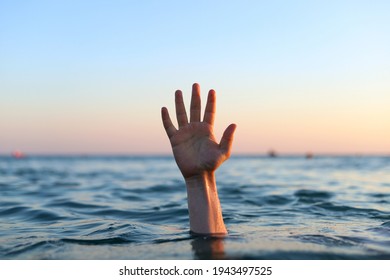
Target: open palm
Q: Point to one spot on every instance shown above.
(194, 145)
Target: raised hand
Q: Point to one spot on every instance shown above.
(198, 155)
(194, 145)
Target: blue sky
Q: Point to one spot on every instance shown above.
(90, 76)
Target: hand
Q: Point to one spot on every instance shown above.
(194, 146)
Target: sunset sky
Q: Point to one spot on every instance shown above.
(295, 76)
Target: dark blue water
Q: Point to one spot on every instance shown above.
(135, 208)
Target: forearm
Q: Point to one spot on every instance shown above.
(204, 206)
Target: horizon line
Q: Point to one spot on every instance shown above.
(255, 154)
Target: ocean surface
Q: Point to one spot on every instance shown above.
(136, 208)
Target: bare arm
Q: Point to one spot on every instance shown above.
(198, 155)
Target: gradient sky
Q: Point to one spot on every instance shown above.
(296, 76)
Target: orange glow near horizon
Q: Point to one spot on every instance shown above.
(125, 129)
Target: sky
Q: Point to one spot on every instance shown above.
(90, 77)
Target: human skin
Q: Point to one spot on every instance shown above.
(198, 155)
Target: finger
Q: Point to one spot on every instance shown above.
(227, 140)
(168, 125)
(209, 113)
(181, 114)
(195, 104)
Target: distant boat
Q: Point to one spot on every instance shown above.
(272, 154)
(18, 154)
(309, 155)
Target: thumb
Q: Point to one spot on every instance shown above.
(227, 139)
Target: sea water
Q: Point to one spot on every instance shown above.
(68, 207)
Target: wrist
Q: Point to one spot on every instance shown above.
(205, 179)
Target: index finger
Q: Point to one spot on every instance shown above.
(209, 113)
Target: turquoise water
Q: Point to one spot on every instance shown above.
(135, 208)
